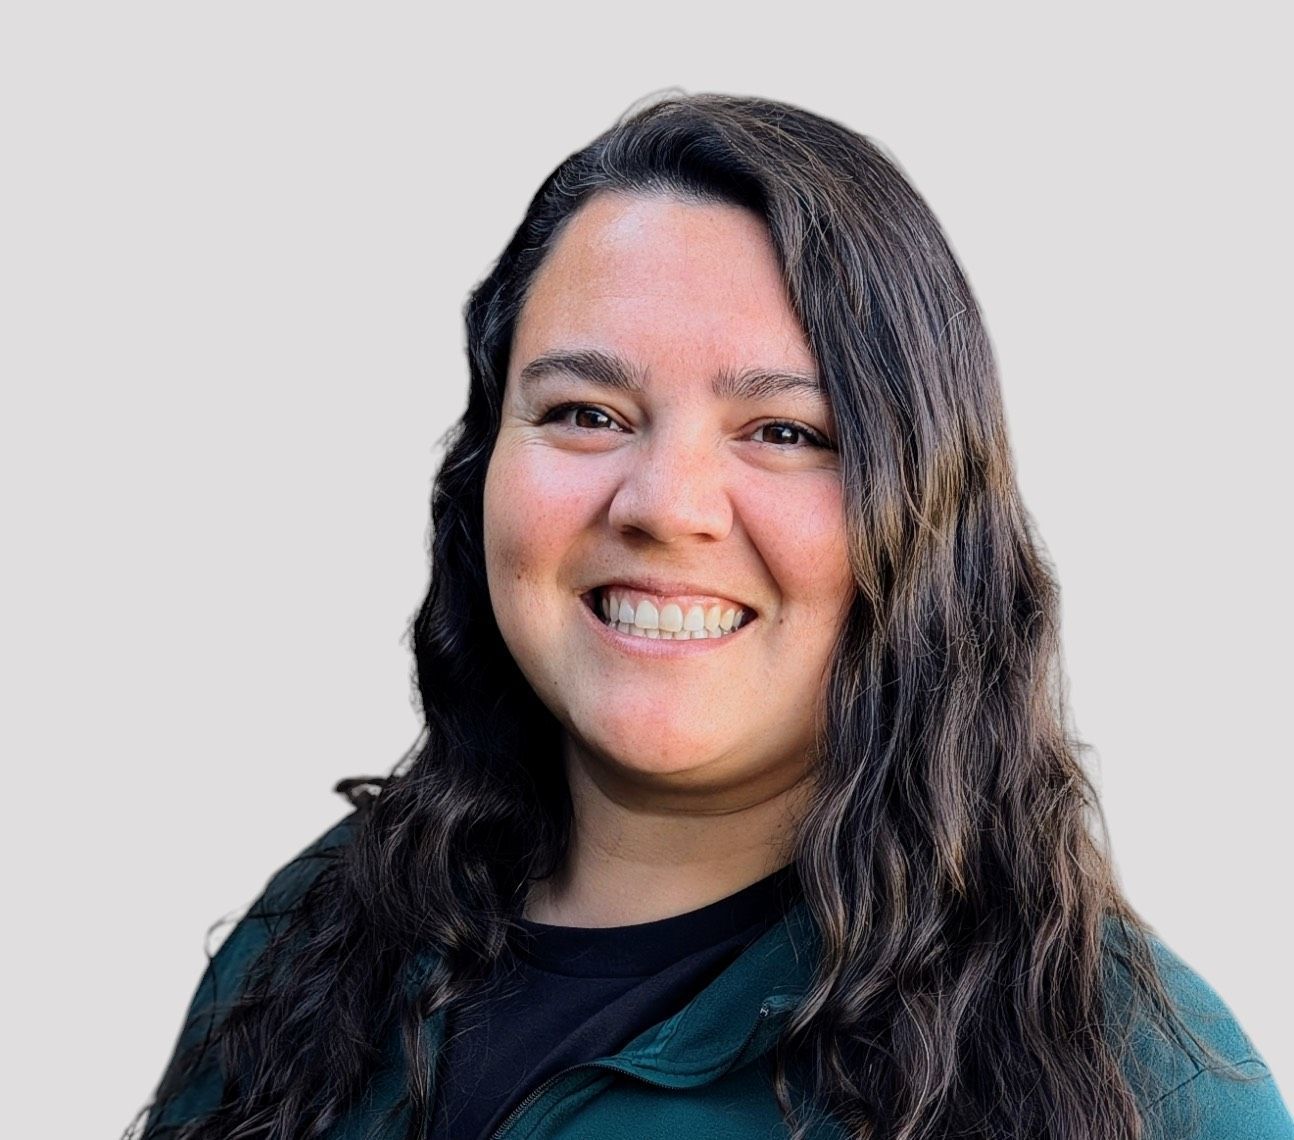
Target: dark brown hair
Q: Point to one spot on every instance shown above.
(950, 859)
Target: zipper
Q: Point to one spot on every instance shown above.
(610, 1065)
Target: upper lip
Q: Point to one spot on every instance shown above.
(650, 584)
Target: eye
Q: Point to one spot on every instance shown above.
(588, 417)
(787, 435)
(784, 431)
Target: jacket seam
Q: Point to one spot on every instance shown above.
(712, 1068)
(1251, 1060)
(673, 1071)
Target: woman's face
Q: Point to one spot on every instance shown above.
(659, 456)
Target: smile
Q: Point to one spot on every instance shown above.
(667, 618)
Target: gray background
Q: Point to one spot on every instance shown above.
(235, 243)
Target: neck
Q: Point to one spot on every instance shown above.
(646, 850)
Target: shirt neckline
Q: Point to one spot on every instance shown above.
(645, 948)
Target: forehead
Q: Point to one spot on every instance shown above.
(663, 279)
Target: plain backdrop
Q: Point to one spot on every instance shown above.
(234, 247)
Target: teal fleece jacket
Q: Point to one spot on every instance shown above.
(703, 1073)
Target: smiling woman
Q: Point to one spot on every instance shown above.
(745, 805)
(662, 417)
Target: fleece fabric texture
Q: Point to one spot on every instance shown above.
(703, 1071)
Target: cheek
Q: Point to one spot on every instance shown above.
(534, 507)
(800, 532)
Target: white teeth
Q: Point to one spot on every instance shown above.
(646, 616)
(671, 617)
(669, 623)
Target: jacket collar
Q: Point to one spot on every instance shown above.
(738, 1016)
(733, 1020)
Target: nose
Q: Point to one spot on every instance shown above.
(674, 487)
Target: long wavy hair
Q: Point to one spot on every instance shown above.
(953, 855)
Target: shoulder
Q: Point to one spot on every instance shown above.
(192, 1078)
(1219, 1092)
(222, 980)
(290, 882)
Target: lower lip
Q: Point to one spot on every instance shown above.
(654, 646)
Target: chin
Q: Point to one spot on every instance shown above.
(669, 752)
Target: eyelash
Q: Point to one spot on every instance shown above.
(816, 438)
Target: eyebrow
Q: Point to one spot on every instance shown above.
(610, 371)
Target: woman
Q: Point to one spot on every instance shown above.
(745, 805)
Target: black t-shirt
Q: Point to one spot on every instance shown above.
(573, 994)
